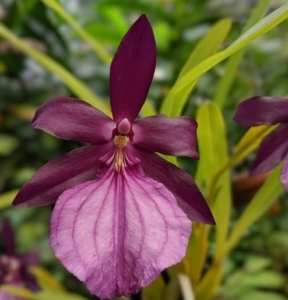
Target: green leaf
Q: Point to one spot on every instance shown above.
(256, 263)
(248, 143)
(250, 35)
(260, 295)
(268, 193)
(46, 280)
(232, 64)
(7, 198)
(96, 46)
(212, 145)
(8, 144)
(79, 88)
(42, 295)
(174, 103)
(264, 279)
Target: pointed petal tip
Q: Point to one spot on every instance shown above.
(132, 70)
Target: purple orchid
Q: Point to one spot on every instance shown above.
(260, 110)
(122, 212)
(13, 267)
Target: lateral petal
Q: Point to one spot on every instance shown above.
(116, 234)
(260, 110)
(132, 70)
(60, 174)
(7, 236)
(171, 136)
(178, 182)
(272, 150)
(73, 119)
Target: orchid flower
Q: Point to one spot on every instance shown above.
(14, 267)
(122, 214)
(260, 110)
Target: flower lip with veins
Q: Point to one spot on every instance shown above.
(261, 110)
(115, 195)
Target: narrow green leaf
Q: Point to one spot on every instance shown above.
(261, 295)
(208, 45)
(7, 198)
(268, 194)
(24, 293)
(209, 284)
(249, 142)
(79, 88)
(250, 35)
(46, 280)
(232, 64)
(96, 46)
(213, 153)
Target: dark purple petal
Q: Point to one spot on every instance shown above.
(7, 237)
(171, 136)
(260, 110)
(272, 150)
(117, 233)
(30, 281)
(73, 119)
(132, 70)
(30, 259)
(60, 174)
(178, 182)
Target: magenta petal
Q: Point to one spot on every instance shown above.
(132, 70)
(178, 182)
(73, 119)
(6, 296)
(171, 136)
(117, 234)
(271, 151)
(60, 174)
(7, 236)
(284, 173)
(260, 110)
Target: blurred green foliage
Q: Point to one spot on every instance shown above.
(258, 266)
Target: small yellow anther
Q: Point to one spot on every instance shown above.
(120, 142)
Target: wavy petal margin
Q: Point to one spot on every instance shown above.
(116, 234)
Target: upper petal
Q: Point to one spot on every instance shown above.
(271, 151)
(132, 70)
(60, 174)
(116, 234)
(7, 236)
(183, 187)
(260, 110)
(73, 119)
(171, 136)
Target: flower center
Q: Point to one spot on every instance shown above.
(9, 269)
(120, 141)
